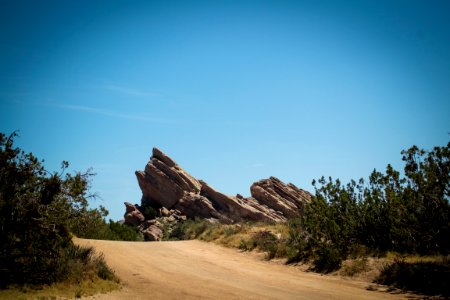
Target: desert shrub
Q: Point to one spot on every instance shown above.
(149, 212)
(213, 232)
(297, 246)
(281, 250)
(77, 263)
(72, 263)
(123, 232)
(230, 230)
(194, 228)
(242, 245)
(265, 241)
(327, 259)
(91, 224)
(83, 262)
(173, 232)
(387, 212)
(186, 230)
(103, 271)
(356, 266)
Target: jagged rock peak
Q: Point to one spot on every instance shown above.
(163, 157)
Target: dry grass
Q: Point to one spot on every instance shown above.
(391, 268)
(234, 236)
(83, 272)
(363, 268)
(354, 266)
(427, 275)
(61, 290)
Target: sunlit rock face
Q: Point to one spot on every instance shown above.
(165, 185)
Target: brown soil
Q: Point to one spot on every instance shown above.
(199, 270)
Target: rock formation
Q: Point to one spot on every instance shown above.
(287, 199)
(152, 230)
(133, 216)
(167, 187)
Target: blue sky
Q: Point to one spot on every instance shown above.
(234, 91)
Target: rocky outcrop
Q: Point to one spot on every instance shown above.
(238, 209)
(163, 183)
(167, 187)
(152, 230)
(194, 205)
(133, 216)
(287, 199)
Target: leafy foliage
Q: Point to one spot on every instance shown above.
(387, 213)
(37, 211)
(149, 212)
(91, 225)
(122, 232)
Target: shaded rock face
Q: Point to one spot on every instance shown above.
(133, 216)
(166, 186)
(152, 230)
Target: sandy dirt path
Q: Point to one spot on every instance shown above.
(199, 270)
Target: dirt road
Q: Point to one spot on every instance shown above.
(198, 270)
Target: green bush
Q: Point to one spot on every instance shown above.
(327, 259)
(194, 228)
(173, 232)
(123, 232)
(230, 230)
(91, 225)
(149, 212)
(385, 213)
(37, 210)
(266, 241)
(185, 230)
(103, 271)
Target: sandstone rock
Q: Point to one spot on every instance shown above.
(152, 230)
(164, 212)
(272, 215)
(287, 199)
(237, 209)
(194, 205)
(132, 215)
(153, 233)
(163, 182)
(144, 225)
(167, 187)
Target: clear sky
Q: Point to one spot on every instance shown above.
(234, 91)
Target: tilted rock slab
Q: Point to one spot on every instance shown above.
(287, 199)
(165, 184)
